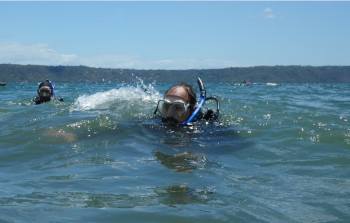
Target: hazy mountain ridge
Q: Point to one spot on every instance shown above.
(264, 74)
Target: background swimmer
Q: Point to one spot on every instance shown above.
(46, 93)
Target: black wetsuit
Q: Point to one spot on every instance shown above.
(38, 101)
(208, 115)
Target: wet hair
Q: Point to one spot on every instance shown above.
(45, 83)
(190, 91)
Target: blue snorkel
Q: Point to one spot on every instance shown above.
(200, 104)
(52, 88)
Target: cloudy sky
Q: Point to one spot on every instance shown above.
(175, 35)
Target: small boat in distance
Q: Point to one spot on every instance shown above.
(245, 82)
(2, 84)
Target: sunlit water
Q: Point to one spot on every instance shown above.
(279, 153)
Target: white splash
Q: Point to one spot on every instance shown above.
(271, 84)
(124, 97)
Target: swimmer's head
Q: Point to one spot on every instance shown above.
(45, 91)
(178, 103)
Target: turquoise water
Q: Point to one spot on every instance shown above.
(279, 153)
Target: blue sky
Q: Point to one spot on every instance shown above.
(175, 35)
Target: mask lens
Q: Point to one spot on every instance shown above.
(44, 91)
(163, 107)
(179, 108)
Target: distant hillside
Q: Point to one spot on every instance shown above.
(277, 74)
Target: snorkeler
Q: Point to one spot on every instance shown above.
(46, 93)
(180, 105)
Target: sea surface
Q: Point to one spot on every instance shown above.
(279, 153)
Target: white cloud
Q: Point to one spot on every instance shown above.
(268, 13)
(190, 64)
(270, 16)
(268, 10)
(110, 61)
(18, 53)
(44, 54)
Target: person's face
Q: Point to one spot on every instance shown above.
(45, 93)
(174, 109)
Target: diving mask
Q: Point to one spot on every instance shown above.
(180, 107)
(45, 91)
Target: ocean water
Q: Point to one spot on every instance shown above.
(279, 153)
